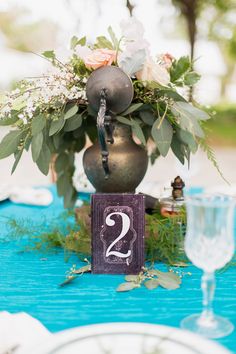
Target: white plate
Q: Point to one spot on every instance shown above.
(4, 192)
(127, 338)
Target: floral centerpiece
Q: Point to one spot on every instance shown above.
(51, 113)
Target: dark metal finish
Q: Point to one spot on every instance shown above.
(102, 132)
(118, 87)
(109, 90)
(127, 160)
(117, 233)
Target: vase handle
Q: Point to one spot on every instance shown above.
(104, 126)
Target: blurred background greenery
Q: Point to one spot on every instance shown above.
(204, 29)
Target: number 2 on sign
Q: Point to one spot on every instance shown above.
(125, 229)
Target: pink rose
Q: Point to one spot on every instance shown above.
(166, 60)
(99, 57)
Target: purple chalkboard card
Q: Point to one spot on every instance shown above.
(117, 233)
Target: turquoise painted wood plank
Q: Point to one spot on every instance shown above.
(29, 282)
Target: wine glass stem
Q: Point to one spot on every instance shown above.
(208, 289)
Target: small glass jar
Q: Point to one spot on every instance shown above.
(172, 204)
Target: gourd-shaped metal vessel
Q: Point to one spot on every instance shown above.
(121, 165)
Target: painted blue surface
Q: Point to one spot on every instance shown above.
(29, 282)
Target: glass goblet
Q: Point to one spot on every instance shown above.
(209, 245)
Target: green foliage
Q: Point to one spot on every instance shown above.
(64, 166)
(44, 158)
(211, 156)
(38, 123)
(187, 119)
(9, 120)
(179, 68)
(165, 237)
(137, 131)
(162, 133)
(132, 108)
(36, 145)
(49, 54)
(70, 111)
(103, 42)
(75, 41)
(57, 125)
(73, 123)
(113, 37)
(151, 278)
(60, 126)
(11, 142)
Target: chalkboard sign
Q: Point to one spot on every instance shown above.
(117, 233)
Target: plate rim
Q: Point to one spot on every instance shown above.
(176, 334)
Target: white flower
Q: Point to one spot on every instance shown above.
(23, 118)
(133, 41)
(152, 71)
(82, 51)
(132, 28)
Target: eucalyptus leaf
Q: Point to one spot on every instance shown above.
(154, 155)
(56, 125)
(187, 120)
(9, 120)
(131, 65)
(147, 117)
(169, 280)
(57, 140)
(70, 111)
(36, 145)
(127, 286)
(84, 269)
(188, 139)
(63, 181)
(17, 159)
(124, 120)
(132, 278)
(62, 162)
(73, 123)
(44, 159)
(91, 111)
(162, 133)
(193, 111)
(10, 143)
(70, 196)
(68, 280)
(177, 149)
(151, 284)
(137, 131)
(170, 93)
(38, 123)
(132, 108)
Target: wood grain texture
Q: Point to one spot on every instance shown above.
(108, 213)
(29, 282)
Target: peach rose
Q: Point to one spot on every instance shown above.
(99, 57)
(166, 60)
(152, 71)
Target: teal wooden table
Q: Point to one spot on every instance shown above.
(29, 282)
